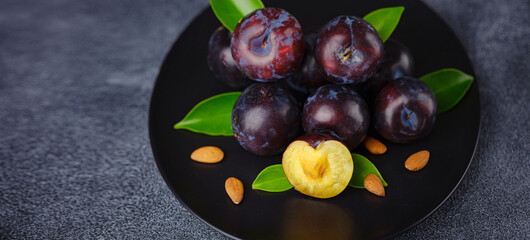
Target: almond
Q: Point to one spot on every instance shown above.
(207, 154)
(374, 146)
(235, 190)
(373, 184)
(417, 160)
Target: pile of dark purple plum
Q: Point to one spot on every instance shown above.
(348, 78)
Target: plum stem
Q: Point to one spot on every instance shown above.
(347, 54)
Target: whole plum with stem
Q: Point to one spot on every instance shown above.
(348, 50)
(267, 44)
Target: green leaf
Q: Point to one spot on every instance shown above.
(212, 116)
(385, 20)
(362, 168)
(449, 86)
(229, 12)
(272, 179)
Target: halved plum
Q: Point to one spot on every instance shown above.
(318, 165)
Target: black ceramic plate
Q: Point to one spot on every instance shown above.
(185, 80)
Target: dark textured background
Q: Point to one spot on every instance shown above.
(75, 83)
